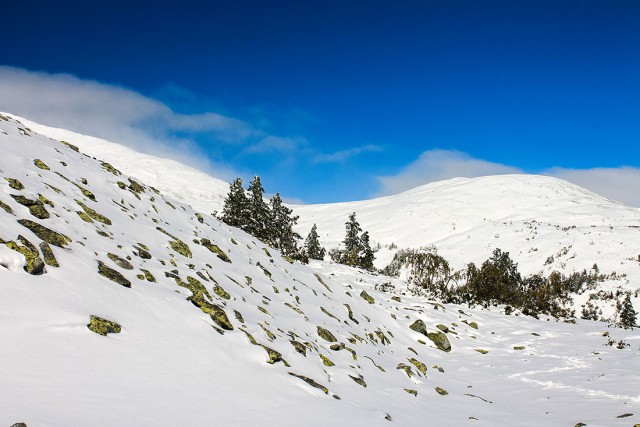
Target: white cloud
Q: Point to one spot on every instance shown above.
(619, 184)
(437, 165)
(342, 155)
(120, 115)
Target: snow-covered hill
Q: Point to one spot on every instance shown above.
(544, 223)
(207, 326)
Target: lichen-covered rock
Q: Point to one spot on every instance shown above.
(419, 326)
(73, 147)
(299, 347)
(358, 380)
(368, 298)
(93, 214)
(41, 165)
(148, 276)
(83, 216)
(135, 186)
(442, 327)
(46, 234)
(350, 313)
(109, 168)
(440, 340)
(6, 207)
(103, 326)
(482, 351)
(406, 369)
(441, 391)
(15, 184)
(518, 347)
(311, 382)
(48, 255)
(177, 245)
(419, 365)
(219, 290)
(33, 263)
(326, 361)
(215, 249)
(113, 275)
(411, 391)
(326, 334)
(120, 262)
(36, 207)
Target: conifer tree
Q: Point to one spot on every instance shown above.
(281, 234)
(366, 253)
(626, 313)
(312, 245)
(236, 206)
(259, 214)
(352, 243)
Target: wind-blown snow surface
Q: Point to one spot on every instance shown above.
(170, 365)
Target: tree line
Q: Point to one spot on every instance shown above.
(273, 224)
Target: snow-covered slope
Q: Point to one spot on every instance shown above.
(544, 223)
(216, 329)
(532, 217)
(173, 178)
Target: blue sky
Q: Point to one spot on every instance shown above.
(334, 100)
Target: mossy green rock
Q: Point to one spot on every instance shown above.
(358, 380)
(6, 207)
(215, 249)
(311, 382)
(135, 186)
(120, 262)
(46, 234)
(219, 290)
(15, 184)
(326, 361)
(36, 207)
(177, 245)
(440, 340)
(48, 255)
(109, 168)
(411, 391)
(326, 334)
(33, 263)
(73, 147)
(93, 214)
(441, 391)
(419, 326)
(419, 365)
(103, 326)
(368, 298)
(40, 164)
(113, 275)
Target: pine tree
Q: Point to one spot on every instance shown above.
(352, 243)
(366, 255)
(236, 206)
(312, 245)
(626, 313)
(259, 214)
(281, 234)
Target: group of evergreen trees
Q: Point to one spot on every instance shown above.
(272, 223)
(357, 250)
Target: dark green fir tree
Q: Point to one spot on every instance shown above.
(312, 245)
